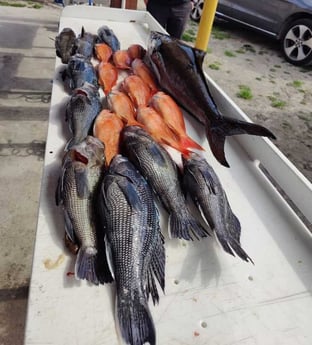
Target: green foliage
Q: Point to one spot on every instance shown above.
(244, 92)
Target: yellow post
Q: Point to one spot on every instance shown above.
(205, 24)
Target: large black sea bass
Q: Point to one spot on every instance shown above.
(204, 187)
(156, 165)
(134, 246)
(81, 172)
(178, 68)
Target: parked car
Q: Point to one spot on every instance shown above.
(289, 21)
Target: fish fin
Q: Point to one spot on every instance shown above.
(70, 143)
(59, 192)
(189, 143)
(157, 270)
(109, 258)
(81, 179)
(69, 228)
(206, 216)
(135, 321)
(151, 288)
(226, 126)
(184, 225)
(85, 267)
(232, 247)
(236, 228)
(130, 194)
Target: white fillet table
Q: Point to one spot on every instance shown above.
(211, 297)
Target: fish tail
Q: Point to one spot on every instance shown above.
(232, 247)
(188, 143)
(135, 322)
(184, 225)
(85, 267)
(221, 128)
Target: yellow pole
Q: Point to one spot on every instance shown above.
(205, 24)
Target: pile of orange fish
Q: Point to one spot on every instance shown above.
(134, 98)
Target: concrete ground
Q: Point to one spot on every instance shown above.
(27, 58)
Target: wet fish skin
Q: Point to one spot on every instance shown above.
(83, 107)
(203, 185)
(85, 44)
(107, 76)
(79, 70)
(107, 35)
(156, 165)
(65, 44)
(107, 127)
(76, 190)
(134, 238)
(178, 69)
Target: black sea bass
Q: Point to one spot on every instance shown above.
(178, 68)
(136, 248)
(81, 172)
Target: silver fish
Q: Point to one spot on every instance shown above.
(83, 107)
(135, 248)
(178, 69)
(156, 165)
(204, 187)
(65, 44)
(77, 186)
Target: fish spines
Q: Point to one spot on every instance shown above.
(85, 267)
(135, 320)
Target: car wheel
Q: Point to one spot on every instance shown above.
(296, 42)
(197, 10)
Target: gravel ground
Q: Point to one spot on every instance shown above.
(251, 70)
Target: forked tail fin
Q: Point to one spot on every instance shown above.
(223, 127)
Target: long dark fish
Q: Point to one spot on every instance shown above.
(156, 165)
(85, 43)
(107, 35)
(204, 187)
(134, 244)
(83, 107)
(178, 68)
(79, 70)
(76, 192)
(65, 44)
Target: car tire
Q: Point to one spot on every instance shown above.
(197, 10)
(296, 42)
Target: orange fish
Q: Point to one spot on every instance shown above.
(140, 69)
(122, 106)
(107, 128)
(137, 90)
(103, 52)
(155, 125)
(108, 76)
(122, 59)
(136, 51)
(174, 119)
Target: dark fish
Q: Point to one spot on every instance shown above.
(79, 70)
(204, 187)
(178, 68)
(83, 107)
(85, 44)
(76, 191)
(156, 165)
(106, 35)
(135, 248)
(65, 44)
